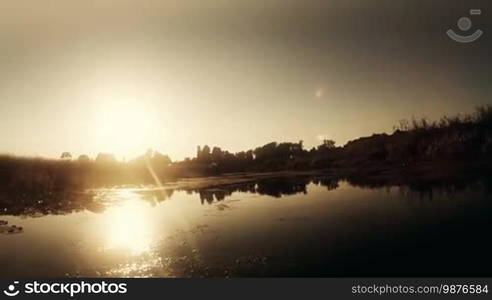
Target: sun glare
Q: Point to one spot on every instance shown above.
(128, 226)
(124, 128)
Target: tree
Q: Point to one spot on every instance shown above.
(205, 154)
(160, 160)
(149, 153)
(327, 144)
(198, 152)
(105, 158)
(66, 156)
(265, 152)
(217, 154)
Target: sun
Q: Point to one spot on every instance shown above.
(123, 127)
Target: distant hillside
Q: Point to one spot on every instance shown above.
(465, 138)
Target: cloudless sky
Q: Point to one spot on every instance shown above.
(123, 76)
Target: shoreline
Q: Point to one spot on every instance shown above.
(422, 172)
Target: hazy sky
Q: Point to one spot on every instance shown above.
(122, 76)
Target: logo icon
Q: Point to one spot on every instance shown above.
(10, 291)
(464, 24)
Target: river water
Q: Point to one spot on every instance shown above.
(298, 226)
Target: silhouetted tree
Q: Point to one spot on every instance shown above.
(204, 154)
(105, 158)
(66, 156)
(160, 160)
(198, 152)
(216, 154)
(327, 144)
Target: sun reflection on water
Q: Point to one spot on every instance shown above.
(128, 224)
(134, 232)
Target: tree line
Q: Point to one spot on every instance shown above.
(462, 139)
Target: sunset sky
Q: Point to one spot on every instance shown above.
(122, 76)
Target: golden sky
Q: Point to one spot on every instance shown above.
(123, 76)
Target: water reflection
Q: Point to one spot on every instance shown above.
(53, 203)
(65, 202)
(277, 226)
(274, 187)
(127, 224)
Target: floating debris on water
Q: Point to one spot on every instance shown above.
(223, 206)
(5, 228)
(14, 229)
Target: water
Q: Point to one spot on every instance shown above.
(297, 226)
